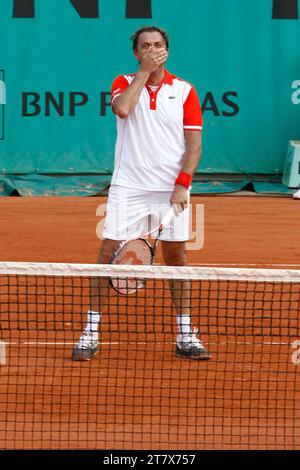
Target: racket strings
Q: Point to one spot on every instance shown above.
(133, 252)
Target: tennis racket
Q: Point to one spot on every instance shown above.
(136, 250)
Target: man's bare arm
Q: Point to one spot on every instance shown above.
(190, 163)
(192, 156)
(125, 103)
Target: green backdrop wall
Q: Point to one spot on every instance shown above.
(59, 57)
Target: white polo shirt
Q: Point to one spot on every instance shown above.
(150, 141)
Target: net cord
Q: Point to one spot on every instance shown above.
(148, 272)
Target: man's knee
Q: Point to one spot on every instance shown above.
(106, 251)
(174, 253)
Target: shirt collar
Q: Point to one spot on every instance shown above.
(168, 78)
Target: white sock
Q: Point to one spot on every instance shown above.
(184, 324)
(93, 320)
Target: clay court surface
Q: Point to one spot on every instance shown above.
(259, 230)
(136, 394)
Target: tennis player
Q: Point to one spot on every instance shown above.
(158, 148)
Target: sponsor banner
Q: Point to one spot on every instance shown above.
(58, 59)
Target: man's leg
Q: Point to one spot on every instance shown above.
(87, 346)
(187, 344)
(126, 213)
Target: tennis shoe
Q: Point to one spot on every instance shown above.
(296, 195)
(191, 347)
(86, 348)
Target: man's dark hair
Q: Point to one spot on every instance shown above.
(149, 29)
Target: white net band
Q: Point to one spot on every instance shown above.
(149, 272)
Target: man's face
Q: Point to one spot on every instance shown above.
(148, 43)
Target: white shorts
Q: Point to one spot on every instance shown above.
(131, 211)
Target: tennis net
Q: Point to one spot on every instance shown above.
(136, 393)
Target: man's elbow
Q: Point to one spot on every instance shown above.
(120, 111)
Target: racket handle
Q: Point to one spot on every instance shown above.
(167, 219)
